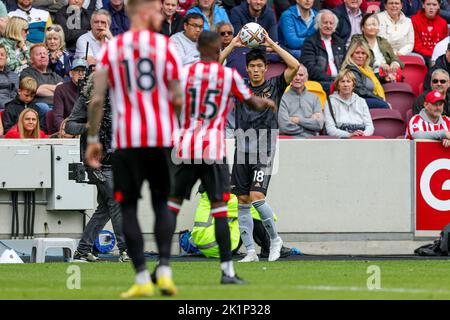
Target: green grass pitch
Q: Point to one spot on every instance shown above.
(424, 279)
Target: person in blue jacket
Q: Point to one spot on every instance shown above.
(212, 14)
(296, 24)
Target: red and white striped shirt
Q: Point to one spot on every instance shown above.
(207, 87)
(418, 123)
(140, 65)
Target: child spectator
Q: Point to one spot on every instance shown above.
(23, 100)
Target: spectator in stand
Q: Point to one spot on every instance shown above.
(72, 31)
(282, 5)
(173, 21)
(67, 93)
(186, 41)
(444, 12)
(60, 59)
(296, 24)
(323, 52)
(383, 60)
(99, 34)
(46, 80)
(300, 111)
(38, 20)
(350, 15)
(439, 49)
(52, 6)
(90, 5)
(3, 23)
(184, 6)
(9, 81)
(367, 84)
(17, 48)
(429, 29)
(346, 113)
(430, 123)
(212, 14)
(225, 29)
(396, 28)
(3, 10)
(443, 62)
(27, 127)
(24, 99)
(331, 4)
(409, 7)
(439, 82)
(119, 17)
(254, 11)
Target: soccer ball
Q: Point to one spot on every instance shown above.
(252, 35)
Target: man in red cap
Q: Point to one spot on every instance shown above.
(430, 123)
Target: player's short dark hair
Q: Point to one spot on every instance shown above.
(207, 38)
(255, 54)
(193, 15)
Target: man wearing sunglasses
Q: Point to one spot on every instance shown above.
(442, 62)
(439, 82)
(225, 30)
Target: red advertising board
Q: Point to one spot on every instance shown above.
(432, 186)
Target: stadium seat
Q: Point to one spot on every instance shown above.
(316, 88)
(285, 137)
(388, 123)
(49, 121)
(373, 6)
(40, 246)
(274, 69)
(414, 72)
(400, 95)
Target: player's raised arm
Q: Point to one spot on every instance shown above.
(291, 62)
(95, 115)
(235, 43)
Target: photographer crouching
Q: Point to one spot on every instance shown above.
(107, 207)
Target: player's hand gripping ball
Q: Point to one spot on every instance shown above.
(252, 35)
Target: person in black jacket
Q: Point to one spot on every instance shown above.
(107, 207)
(73, 27)
(439, 82)
(321, 67)
(255, 11)
(24, 99)
(443, 62)
(344, 28)
(173, 21)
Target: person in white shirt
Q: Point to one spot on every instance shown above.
(396, 28)
(440, 49)
(186, 41)
(99, 34)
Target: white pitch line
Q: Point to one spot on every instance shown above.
(362, 289)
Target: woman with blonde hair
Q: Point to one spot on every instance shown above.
(368, 86)
(60, 59)
(17, 48)
(347, 114)
(27, 127)
(212, 14)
